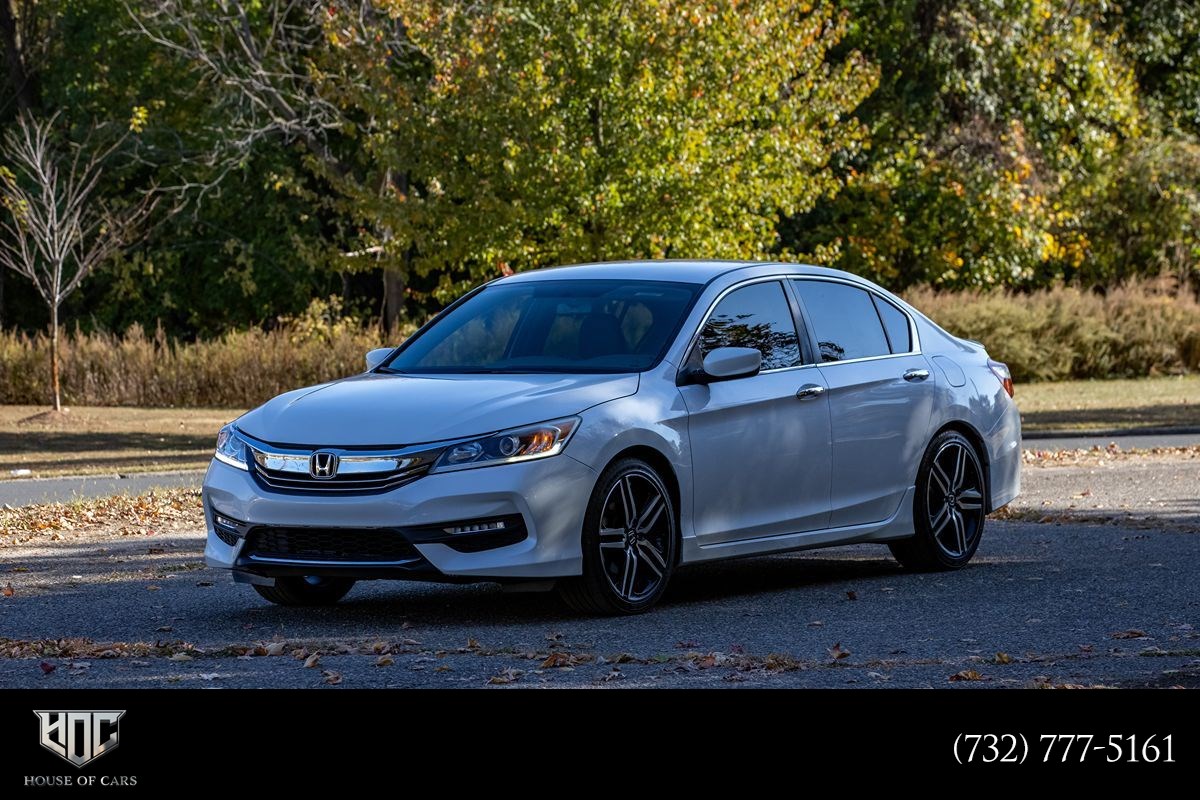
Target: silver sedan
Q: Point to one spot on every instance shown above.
(591, 428)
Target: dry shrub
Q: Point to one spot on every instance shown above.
(1142, 328)
(237, 370)
(1138, 329)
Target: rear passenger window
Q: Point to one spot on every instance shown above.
(895, 323)
(844, 320)
(757, 316)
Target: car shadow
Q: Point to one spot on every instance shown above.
(109, 575)
(1132, 418)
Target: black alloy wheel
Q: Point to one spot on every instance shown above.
(629, 542)
(950, 507)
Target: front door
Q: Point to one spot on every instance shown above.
(760, 452)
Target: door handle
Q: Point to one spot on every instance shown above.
(916, 374)
(810, 390)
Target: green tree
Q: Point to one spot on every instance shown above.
(557, 132)
(998, 126)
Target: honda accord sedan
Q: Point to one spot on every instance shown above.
(593, 428)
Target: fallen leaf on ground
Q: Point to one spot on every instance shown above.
(8, 590)
(1132, 633)
(204, 583)
(276, 649)
(966, 675)
(837, 652)
(509, 675)
(851, 595)
(560, 658)
(153, 588)
(164, 629)
(331, 677)
(1003, 658)
(181, 657)
(312, 661)
(47, 667)
(208, 676)
(384, 661)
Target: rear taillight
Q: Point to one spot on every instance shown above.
(1001, 372)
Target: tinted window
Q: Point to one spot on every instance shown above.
(843, 319)
(757, 316)
(552, 326)
(895, 323)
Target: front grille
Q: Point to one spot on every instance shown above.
(377, 482)
(339, 545)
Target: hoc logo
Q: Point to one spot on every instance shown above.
(323, 465)
(79, 736)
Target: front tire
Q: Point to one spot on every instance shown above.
(630, 540)
(949, 509)
(308, 590)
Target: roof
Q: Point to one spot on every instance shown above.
(682, 271)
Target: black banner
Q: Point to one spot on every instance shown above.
(123, 741)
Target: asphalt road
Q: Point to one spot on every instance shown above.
(24, 491)
(1076, 603)
(1125, 441)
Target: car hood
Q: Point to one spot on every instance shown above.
(389, 410)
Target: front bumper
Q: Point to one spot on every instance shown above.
(549, 496)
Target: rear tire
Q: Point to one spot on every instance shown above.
(949, 509)
(306, 590)
(630, 541)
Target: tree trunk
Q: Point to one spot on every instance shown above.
(395, 279)
(17, 76)
(54, 353)
(393, 298)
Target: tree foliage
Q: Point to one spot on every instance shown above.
(399, 151)
(559, 132)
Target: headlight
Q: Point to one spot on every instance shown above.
(231, 449)
(519, 444)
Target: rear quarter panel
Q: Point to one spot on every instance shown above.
(980, 403)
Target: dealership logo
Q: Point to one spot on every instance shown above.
(79, 736)
(323, 465)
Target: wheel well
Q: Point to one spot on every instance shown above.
(661, 464)
(981, 450)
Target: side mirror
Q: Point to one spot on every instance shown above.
(727, 364)
(376, 357)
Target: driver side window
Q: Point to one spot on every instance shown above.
(757, 316)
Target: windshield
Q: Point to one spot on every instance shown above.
(552, 326)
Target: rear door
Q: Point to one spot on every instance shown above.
(760, 452)
(880, 396)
